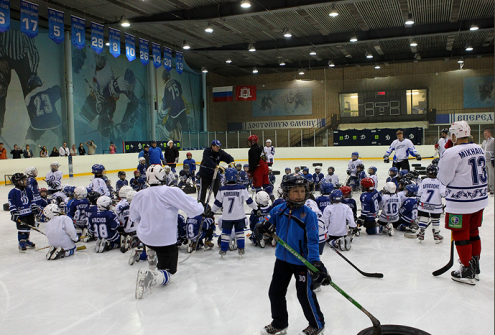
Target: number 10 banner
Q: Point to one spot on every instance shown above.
(97, 37)
(4, 15)
(114, 35)
(78, 31)
(130, 47)
(56, 25)
(29, 18)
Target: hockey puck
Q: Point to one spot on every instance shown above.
(416, 165)
(6, 207)
(394, 330)
(276, 173)
(317, 164)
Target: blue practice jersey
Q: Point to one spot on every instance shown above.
(370, 205)
(198, 226)
(142, 169)
(21, 203)
(351, 203)
(278, 202)
(253, 219)
(393, 180)
(323, 201)
(318, 178)
(77, 212)
(191, 163)
(138, 184)
(121, 183)
(243, 179)
(42, 110)
(181, 229)
(33, 185)
(308, 176)
(361, 176)
(104, 224)
(409, 210)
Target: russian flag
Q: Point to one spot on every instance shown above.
(223, 93)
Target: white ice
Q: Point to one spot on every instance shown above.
(91, 293)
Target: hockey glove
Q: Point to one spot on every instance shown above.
(354, 230)
(348, 172)
(207, 213)
(418, 157)
(267, 227)
(321, 277)
(360, 222)
(258, 213)
(386, 159)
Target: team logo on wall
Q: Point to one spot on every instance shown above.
(245, 93)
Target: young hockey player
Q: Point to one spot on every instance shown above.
(318, 178)
(42, 203)
(122, 212)
(280, 199)
(185, 177)
(370, 206)
(304, 240)
(336, 217)
(307, 175)
(462, 169)
(121, 182)
(288, 171)
(243, 177)
(269, 152)
(103, 224)
(297, 170)
(232, 198)
(199, 232)
(271, 177)
(192, 164)
(324, 199)
(322, 230)
(22, 209)
(157, 229)
(60, 233)
(403, 148)
(238, 167)
(137, 183)
(61, 199)
(361, 174)
(108, 182)
(263, 202)
(142, 166)
(32, 173)
(331, 177)
(392, 175)
(77, 210)
(390, 206)
(408, 211)
(372, 174)
(87, 234)
(54, 178)
(430, 208)
(170, 177)
(349, 201)
(352, 171)
(98, 184)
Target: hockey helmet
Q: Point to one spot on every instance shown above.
(216, 143)
(253, 139)
(444, 131)
(411, 190)
(137, 173)
(368, 184)
(238, 166)
(268, 141)
(432, 171)
(360, 167)
(167, 169)
(54, 166)
(188, 154)
(123, 191)
(336, 195)
(97, 169)
(51, 210)
(19, 180)
(69, 190)
(262, 198)
(80, 192)
(103, 203)
(245, 166)
(297, 169)
(355, 155)
(43, 190)
(460, 129)
(93, 197)
(326, 187)
(346, 191)
(372, 168)
(318, 168)
(390, 187)
(306, 170)
(403, 173)
(295, 181)
(31, 172)
(142, 160)
(130, 195)
(332, 170)
(288, 169)
(155, 175)
(121, 173)
(392, 172)
(435, 161)
(231, 175)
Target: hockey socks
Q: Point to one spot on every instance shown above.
(224, 244)
(240, 238)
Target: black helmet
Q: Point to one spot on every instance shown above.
(121, 173)
(17, 180)
(360, 166)
(432, 171)
(93, 197)
(435, 161)
(295, 181)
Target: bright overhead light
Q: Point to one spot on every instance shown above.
(107, 44)
(228, 61)
(469, 48)
(312, 52)
(209, 29)
(377, 66)
(413, 43)
(245, 4)
(251, 48)
(369, 55)
(204, 70)
(460, 61)
(333, 12)
(301, 72)
(124, 22)
(353, 39)
(287, 33)
(255, 70)
(474, 27)
(281, 63)
(185, 45)
(331, 63)
(409, 21)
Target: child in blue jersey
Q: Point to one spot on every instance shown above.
(361, 174)
(271, 177)
(142, 166)
(288, 171)
(32, 173)
(185, 177)
(370, 205)
(243, 177)
(349, 201)
(121, 182)
(77, 210)
(104, 225)
(392, 175)
(192, 164)
(324, 199)
(318, 178)
(263, 201)
(199, 231)
(408, 211)
(181, 231)
(22, 209)
(307, 175)
(138, 183)
(372, 174)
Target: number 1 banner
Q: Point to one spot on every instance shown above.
(56, 25)
(167, 58)
(78, 31)
(130, 47)
(29, 18)
(114, 35)
(144, 51)
(179, 62)
(157, 55)
(4, 15)
(97, 37)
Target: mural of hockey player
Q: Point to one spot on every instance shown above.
(19, 53)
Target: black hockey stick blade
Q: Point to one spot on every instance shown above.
(450, 263)
(366, 274)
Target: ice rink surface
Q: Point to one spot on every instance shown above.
(91, 293)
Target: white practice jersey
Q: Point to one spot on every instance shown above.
(322, 229)
(122, 209)
(462, 170)
(336, 218)
(54, 180)
(390, 206)
(232, 197)
(170, 179)
(99, 185)
(61, 195)
(441, 146)
(402, 149)
(375, 179)
(352, 166)
(334, 179)
(402, 196)
(430, 193)
(269, 153)
(61, 233)
(154, 212)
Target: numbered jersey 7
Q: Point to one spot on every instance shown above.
(172, 98)
(231, 197)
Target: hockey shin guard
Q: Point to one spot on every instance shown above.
(463, 246)
(436, 224)
(224, 245)
(268, 189)
(22, 236)
(423, 222)
(152, 259)
(162, 277)
(70, 252)
(240, 239)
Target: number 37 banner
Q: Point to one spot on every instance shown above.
(56, 25)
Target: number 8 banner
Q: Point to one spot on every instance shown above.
(56, 25)
(157, 55)
(144, 52)
(97, 37)
(29, 18)
(78, 31)
(4, 15)
(114, 35)
(130, 47)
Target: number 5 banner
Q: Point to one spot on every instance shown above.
(114, 35)
(4, 15)
(78, 31)
(144, 51)
(130, 47)
(56, 25)
(97, 37)
(29, 18)
(167, 58)
(157, 55)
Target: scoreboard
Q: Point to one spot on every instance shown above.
(381, 103)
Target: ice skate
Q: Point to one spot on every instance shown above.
(390, 232)
(122, 244)
(347, 242)
(274, 242)
(476, 265)
(209, 245)
(191, 247)
(241, 252)
(22, 246)
(50, 253)
(312, 331)
(58, 253)
(262, 243)
(222, 253)
(144, 282)
(421, 235)
(437, 237)
(135, 255)
(30, 245)
(465, 275)
(272, 330)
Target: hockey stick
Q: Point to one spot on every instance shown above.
(366, 274)
(32, 227)
(451, 261)
(376, 324)
(82, 247)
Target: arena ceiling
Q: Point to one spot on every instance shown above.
(442, 29)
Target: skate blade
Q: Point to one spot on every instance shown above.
(471, 282)
(438, 241)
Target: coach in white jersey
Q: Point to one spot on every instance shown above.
(462, 170)
(440, 146)
(154, 212)
(403, 148)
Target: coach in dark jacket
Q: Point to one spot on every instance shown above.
(171, 155)
(212, 156)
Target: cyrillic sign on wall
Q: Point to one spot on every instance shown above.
(475, 118)
(284, 124)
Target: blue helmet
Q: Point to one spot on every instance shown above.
(245, 166)
(306, 169)
(216, 143)
(288, 168)
(393, 170)
(97, 169)
(326, 187)
(231, 174)
(355, 153)
(374, 169)
(412, 190)
(403, 173)
(336, 195)
(69, 190)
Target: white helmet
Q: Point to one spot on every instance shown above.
(51, 210)
(297, 167)
(390, 187)
(55, 163)
(123, 191)
(269, 141)
(141, 159)
(130, 195)
(460, 129)
(262, 198)
(103, 203)
(167, 169)
(155, 175)
(280, 192)
(81, 192)
(31, 171)
(318, 168)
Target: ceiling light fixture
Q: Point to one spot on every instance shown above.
(209, 28)
(185, 45)
(474, 27)
(369, 55)
(353, 39)
(204, 70)
(469, 47)
(245, 4)
(333, 12)
(124, 22)
(301, 72)
(287, 33)
(228, 61)
(331, 63)
(409, 21)
(255, 70)
(312, 52)
(461, 61)
(377, 66)
(107, 44)
(281, 63)
(251, 48)
(413, 43)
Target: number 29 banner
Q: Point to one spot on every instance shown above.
(97, 37)
(29, 18)
(56, 25)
